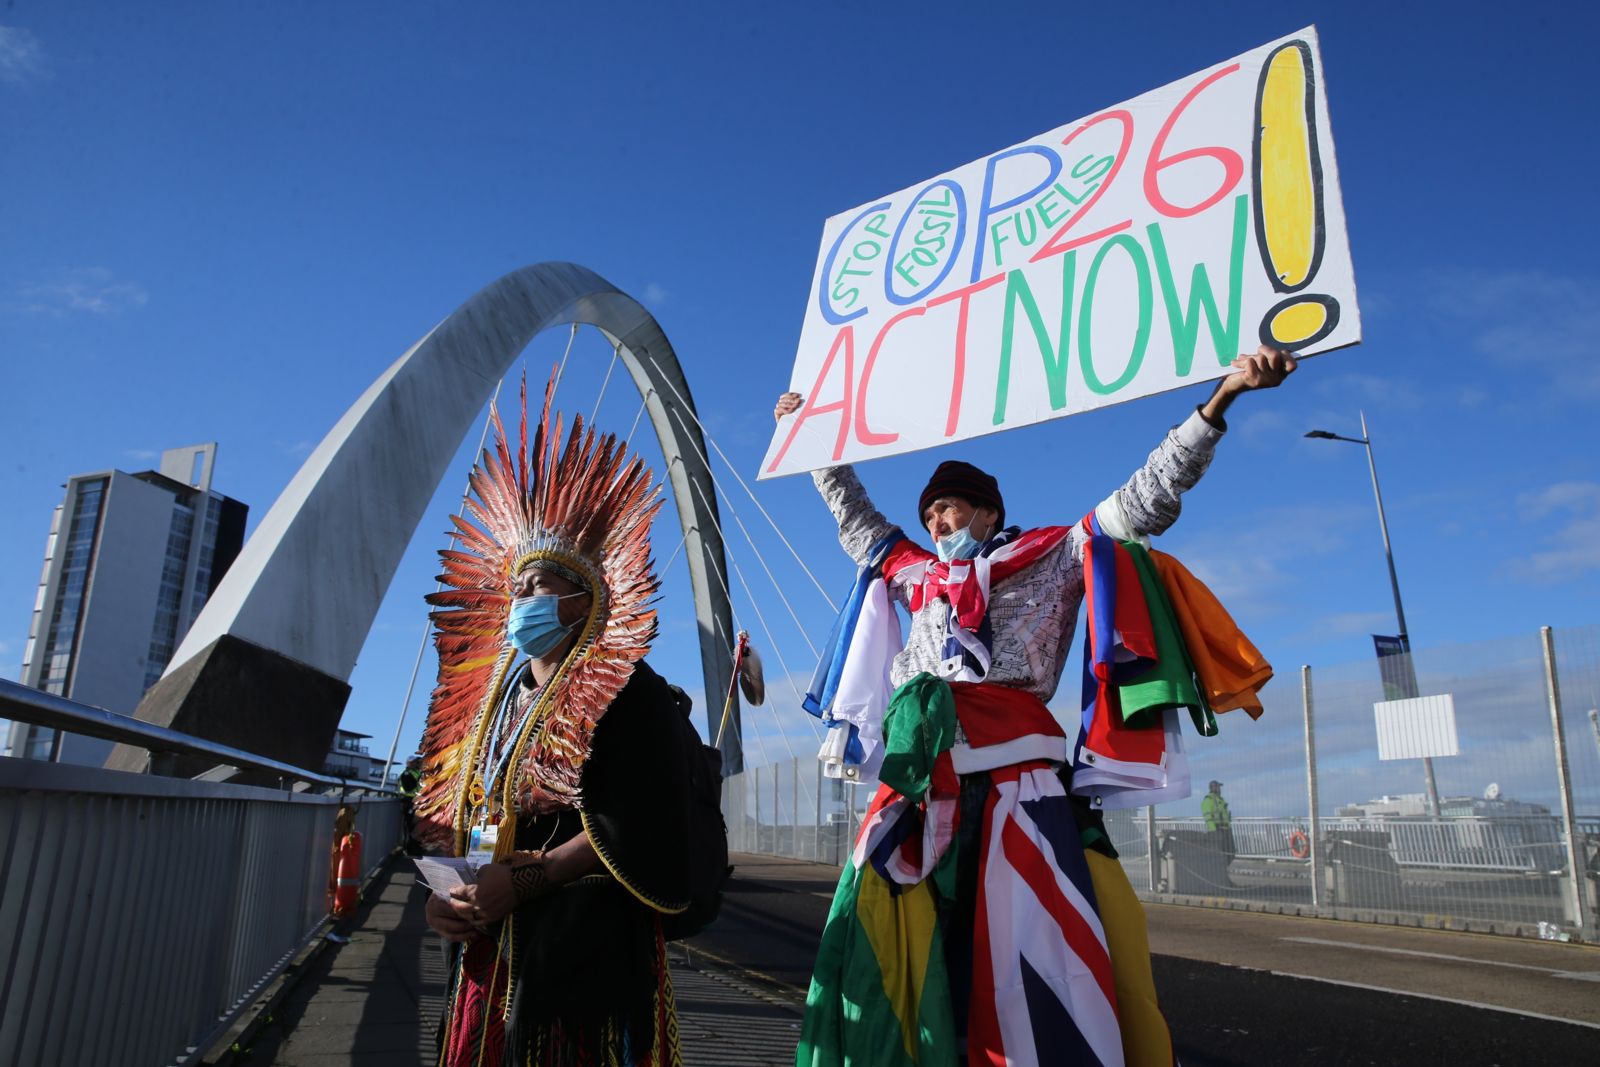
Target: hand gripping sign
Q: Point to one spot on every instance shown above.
(1129, 253)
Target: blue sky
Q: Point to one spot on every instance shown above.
(221, 222)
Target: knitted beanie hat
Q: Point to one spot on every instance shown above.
(955, 478)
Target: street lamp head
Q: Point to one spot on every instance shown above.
(1325, 435)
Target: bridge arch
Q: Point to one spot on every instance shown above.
(279, 637)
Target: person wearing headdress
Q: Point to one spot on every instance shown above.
(991, 923)
(549, 750)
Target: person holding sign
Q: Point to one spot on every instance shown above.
(1013, 903)
(555, 767)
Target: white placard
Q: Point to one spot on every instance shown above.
(1128, 253)
(444, 873)
(1417, 727)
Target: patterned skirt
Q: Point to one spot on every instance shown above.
(475, 1027)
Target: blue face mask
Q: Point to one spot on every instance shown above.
(958, 545)
(534, 625)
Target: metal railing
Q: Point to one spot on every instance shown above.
(138, 914)
(1523, 857)
(1515, 844)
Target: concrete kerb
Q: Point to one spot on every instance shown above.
(751, 983)
(1369, 916)
(232, 1046)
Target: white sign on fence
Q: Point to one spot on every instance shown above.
(1128, 253)
(1417, 727)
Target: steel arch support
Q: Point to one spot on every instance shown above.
(279, 638)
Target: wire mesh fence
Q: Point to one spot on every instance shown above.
(1506, 837)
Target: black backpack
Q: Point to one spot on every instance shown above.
(708, 832)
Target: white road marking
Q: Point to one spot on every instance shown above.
(1431, 996)
(1554, 972)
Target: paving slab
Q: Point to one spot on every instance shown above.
(376, 999)
(1238, 988)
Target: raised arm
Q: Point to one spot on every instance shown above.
(1150, 501)
(860, 524)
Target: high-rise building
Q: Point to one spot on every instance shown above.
(130, 561)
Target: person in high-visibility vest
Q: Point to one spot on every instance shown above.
(410, 784)
(1214, 808)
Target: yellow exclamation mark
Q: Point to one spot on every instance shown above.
(1288, 198)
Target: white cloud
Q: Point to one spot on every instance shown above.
(1348, 624)
(1470, 397)
(1572, 549)
(654, 294)
(143, 455)
(91, 289)
(1271, 424)
(1538, 323)
(21, 59)
(1248, 574)
(1370, 390)
(1567, 515)
(1562, 496)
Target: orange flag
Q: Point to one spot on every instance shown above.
(1226, 664)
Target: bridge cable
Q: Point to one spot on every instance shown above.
(748, 491)
(728, 639)
(738, 731)
(761, 617)
(681, 542)
(427, 628)
(643, 400)
(777, 650)
(754, 548)
(561, 369)
(615, 352)
(739, 573)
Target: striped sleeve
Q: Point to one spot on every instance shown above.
(861, 525)
(1151, 499)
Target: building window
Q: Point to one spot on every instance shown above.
(169, 597)
(208, 552)
(66, 614)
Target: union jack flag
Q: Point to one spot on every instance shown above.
(1036, 998)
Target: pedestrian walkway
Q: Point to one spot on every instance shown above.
(1237, 988)
(376, 999)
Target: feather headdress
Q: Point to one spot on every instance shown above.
(584, 509)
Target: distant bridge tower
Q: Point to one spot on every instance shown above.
(266, 666)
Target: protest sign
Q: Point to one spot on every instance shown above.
(1128, 253)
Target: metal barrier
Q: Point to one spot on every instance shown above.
(768, 812)
(139, 914)
(1507, 862)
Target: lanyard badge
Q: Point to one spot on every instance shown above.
(481, 842)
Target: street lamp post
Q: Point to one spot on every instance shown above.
(1394, 582)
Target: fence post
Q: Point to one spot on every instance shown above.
(1314, 827)
(849, 820)
(816, 833)
(755, 846)
(1573, 890)
(1150, 846)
